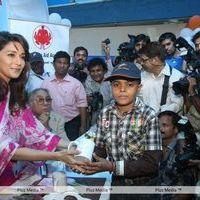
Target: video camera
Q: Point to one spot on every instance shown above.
(193, 59)
(181, 86)
(191, 149)
(127, 50)
(106, 41)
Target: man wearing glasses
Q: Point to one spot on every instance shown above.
(157, 78)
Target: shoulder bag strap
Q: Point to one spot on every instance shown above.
(165, 88)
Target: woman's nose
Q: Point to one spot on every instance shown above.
(18, 60)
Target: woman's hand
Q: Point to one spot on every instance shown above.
(68, 158)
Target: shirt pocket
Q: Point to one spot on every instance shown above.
(69, 98)
(135, 144)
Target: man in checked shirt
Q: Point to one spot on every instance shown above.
(127, 134)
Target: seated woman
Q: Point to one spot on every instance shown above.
(22, 136)
(40, 103)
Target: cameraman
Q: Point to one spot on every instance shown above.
(78, 69)
(141, 41)
(196, 41)
(193, 96)
(170, 172)
(98, 92)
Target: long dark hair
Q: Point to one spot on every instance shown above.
(17, 86)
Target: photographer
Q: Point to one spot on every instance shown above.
(141, 41)
(189, 87)
(157, 80)
(194, 83)
(194, 97)
(78, 69)
(179, 143)
(126, 50)
(98, 92)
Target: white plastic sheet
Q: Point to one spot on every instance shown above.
(36, 10)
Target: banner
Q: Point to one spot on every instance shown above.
(3, 15)
(44, 38)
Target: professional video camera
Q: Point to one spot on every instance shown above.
(127, 50)
(181, 86)
(191, 149)
(193, 59)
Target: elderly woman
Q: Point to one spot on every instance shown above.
(40, 104)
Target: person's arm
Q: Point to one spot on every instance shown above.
(83, 114)
(36, 155)
(106, 50)
(194, 98)
(146, 165)
(81, 101)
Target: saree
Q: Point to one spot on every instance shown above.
(21, 129)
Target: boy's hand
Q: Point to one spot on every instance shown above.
(100, 166)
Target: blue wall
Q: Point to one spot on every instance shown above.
(4, 16)
(128, 11)
(57, 2)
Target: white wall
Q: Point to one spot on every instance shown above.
(92, 37)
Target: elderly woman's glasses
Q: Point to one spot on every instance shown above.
(41, 100)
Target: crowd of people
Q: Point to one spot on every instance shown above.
(145, 106)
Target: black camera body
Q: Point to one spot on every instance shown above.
(106, 41)
(182, 159)
(191, 149)
(97, 102)
(193, 59)
(127, 50)
(181, 86)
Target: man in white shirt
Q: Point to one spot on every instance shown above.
(36, 74)
(155, 73)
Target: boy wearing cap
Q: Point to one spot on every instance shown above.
(127, 133)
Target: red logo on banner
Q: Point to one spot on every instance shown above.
(42, 37)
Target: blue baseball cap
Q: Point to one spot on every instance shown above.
(35, 57)
(125, 70)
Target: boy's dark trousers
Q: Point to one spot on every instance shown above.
(72, 128)
(123, 181)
